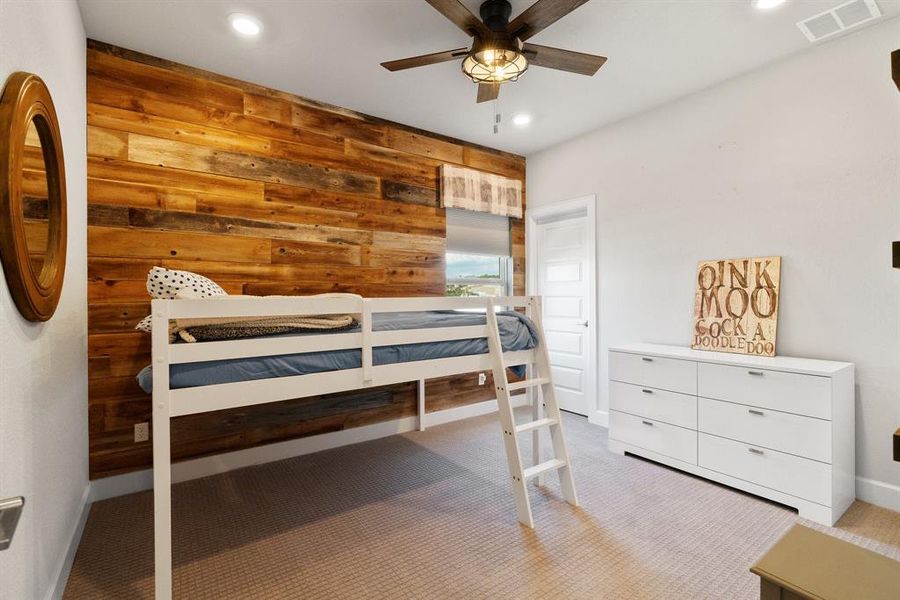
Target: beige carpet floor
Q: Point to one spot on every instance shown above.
(430, 515)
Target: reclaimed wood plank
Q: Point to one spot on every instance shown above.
(191, 157)
(107, 143)
(312, 253)
(164, 81)
(147, 174)
(266, 193)
(146, 103)
(316, 119)
(423, 145)
(267, 107)
(137, 243)
(405, 192)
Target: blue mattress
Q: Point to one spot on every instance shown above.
(517, 332)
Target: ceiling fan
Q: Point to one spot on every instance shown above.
(499, 53)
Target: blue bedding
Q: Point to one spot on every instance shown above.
(517, 332)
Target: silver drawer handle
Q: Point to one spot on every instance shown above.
(646, 359)
(756, 373)
(756, 412)
(647, 423)
(647, 391)
(756, 451)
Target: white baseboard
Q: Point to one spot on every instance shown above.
(599, 417)
(880, 493)
(129, 483)
(65, 567)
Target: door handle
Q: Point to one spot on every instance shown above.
(585, 324)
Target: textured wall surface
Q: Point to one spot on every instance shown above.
(43, 383)
(266, 193)
(799, 160)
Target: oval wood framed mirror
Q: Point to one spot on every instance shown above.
(32, 197)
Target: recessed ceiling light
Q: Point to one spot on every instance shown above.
(767, 4)
(521, 120)
(245, 24)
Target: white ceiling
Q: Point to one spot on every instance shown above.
(330, 50)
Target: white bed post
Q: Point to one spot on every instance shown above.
(162, 463)
(420, 397)
(366, 327)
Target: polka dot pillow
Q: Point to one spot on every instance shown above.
(168, 284)
(145, 324)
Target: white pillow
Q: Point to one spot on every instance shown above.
(167, 284)
(145, 324)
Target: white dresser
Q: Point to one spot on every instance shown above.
(782, 427)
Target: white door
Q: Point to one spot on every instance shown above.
(563, 251)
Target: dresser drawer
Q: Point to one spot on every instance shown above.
(786, 473)
(788, 392)
(655, 436)
(794, 434)
(652, 371)
(661, 405)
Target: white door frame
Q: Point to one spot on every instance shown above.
(532, 217)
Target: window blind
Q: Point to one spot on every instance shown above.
(470, 232)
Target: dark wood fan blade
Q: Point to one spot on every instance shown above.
(487, 92)
(563, 60)
(461, 17)
(425, 59)
(541, 15)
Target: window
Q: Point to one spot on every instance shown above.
(478, 254)
(478, 275)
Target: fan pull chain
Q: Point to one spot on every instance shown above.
(497, 117)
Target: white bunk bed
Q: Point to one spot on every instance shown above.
(169, 403)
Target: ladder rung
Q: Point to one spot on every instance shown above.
(521, 385)
(549, 465)
(535, 424)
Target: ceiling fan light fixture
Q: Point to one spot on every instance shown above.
(495, 65)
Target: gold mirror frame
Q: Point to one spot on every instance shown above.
(26, 99)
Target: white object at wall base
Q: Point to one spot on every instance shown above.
(65, 567)
(880, 493)
(599, 417)
(129, 483)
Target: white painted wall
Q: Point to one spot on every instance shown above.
(43, 381)
(800, 159)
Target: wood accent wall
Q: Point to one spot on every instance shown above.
(266, 193)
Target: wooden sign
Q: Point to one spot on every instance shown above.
(736, 305)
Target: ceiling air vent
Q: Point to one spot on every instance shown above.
(839, 19)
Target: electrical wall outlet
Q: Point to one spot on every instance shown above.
(141, 432)
(482, 378)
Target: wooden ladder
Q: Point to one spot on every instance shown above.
(539, 380)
